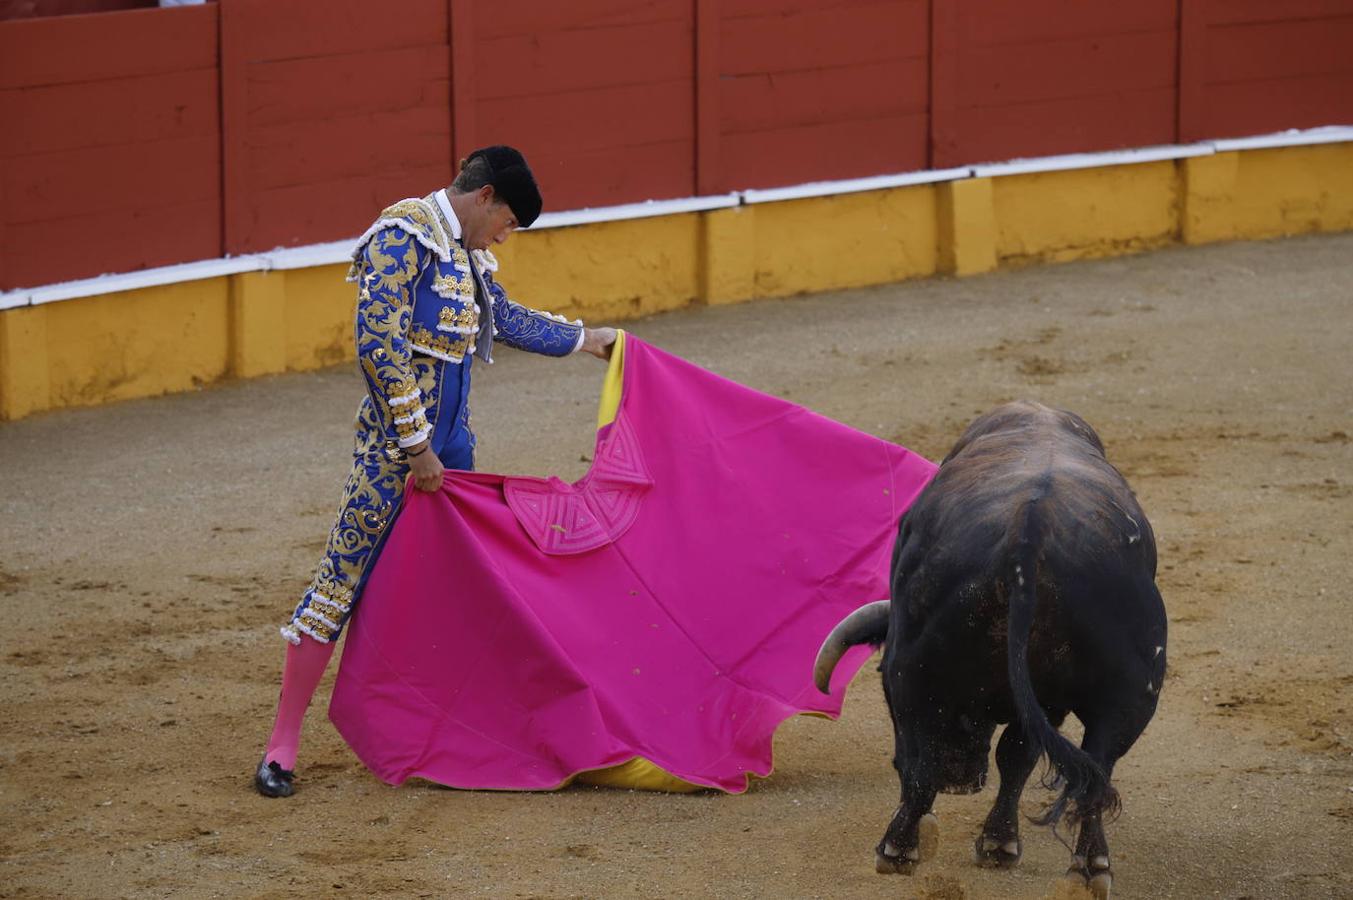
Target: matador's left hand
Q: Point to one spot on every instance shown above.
(598, 342)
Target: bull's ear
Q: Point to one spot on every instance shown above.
(967, 724)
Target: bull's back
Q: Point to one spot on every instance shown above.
(1028, 474)
(985, 490)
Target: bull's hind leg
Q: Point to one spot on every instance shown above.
(998, 844)
(1106, 740)
(1090, 863)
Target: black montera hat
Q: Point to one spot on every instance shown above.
(512, 181)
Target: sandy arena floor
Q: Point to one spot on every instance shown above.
(148, 551)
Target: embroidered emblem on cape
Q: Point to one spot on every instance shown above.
(565, 520)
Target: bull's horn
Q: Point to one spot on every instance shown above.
(867, 625)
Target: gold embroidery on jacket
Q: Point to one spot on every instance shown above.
(457, 287)
(466, 321)
(422, 214)
(385, 307)
(392, 271)
(447, 346)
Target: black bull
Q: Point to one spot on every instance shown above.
(1023, 588)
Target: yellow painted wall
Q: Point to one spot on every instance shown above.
(727, 255)
(850, 240)
(965, 219)
(176, 337)
(1080, 213)
(1269, 193)
(605, 272)
(24, 386)
(136, 344)
(318, 321)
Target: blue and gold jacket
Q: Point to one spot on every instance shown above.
(425, 308)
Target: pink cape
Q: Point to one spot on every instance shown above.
(668, 606)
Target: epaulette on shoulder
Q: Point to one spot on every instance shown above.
(414, 216)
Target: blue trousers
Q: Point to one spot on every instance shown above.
(371, 502)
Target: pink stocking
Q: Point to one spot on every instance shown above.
(304, 667)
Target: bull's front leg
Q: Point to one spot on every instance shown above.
(913, 835)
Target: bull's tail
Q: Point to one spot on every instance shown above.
(867, 625)
(1085, 786)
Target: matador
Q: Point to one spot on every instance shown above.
(428, 305)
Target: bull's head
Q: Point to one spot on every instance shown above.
(964, 745)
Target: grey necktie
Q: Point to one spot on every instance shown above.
(484, 300)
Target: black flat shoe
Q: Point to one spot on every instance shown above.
(272, 780)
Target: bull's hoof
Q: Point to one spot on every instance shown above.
(891, 860)
(888, 860)
(990, 853)
(1093, 874)
(928, 836)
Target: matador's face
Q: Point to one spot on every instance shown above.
(490, 221)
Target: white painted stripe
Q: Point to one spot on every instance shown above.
(312, 255)
(109, 284)
(647, 209)
(854, 185)
(1090, 160)
(341, 251)
(1330, 134)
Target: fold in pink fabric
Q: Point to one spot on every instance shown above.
(668, 606)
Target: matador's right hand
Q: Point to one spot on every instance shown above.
(426, 467)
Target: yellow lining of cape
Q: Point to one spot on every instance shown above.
(639, 774)
(614, 383)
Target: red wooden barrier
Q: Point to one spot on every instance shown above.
(332, 111)
(1252, 67)
(1043, 77)
(598, 94)
(110, 151)
(30, 9)
(811, 90)
(127, 143)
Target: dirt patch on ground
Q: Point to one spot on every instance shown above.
(151, 548)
